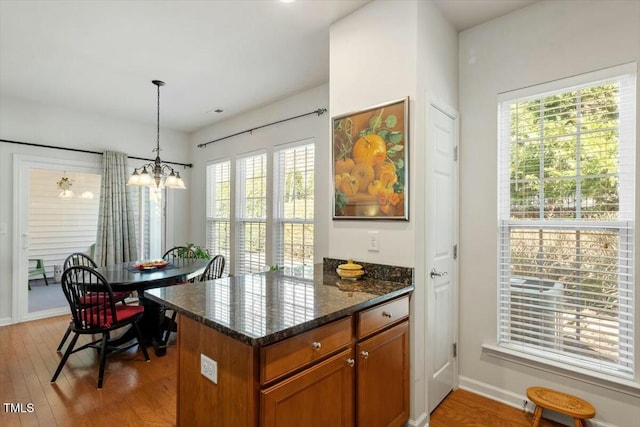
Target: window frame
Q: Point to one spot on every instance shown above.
(279, 220)
(212, 219)
(625, 226)
(241, 221)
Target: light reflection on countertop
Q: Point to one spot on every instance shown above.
(262, 308)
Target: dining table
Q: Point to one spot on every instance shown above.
(134, 276)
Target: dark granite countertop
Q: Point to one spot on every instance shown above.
(263, 308)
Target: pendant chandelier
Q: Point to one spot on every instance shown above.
(64, 185)
(156, 174)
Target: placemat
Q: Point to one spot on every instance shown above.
(133, 269)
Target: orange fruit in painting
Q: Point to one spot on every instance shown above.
(374, 187)
(344, 165)
(365, 175)
(349, 185)
(369, 149)
(386, 173)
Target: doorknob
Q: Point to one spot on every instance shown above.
(435, 273)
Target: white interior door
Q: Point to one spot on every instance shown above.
(441, 277)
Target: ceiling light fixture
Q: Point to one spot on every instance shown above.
(156, 174)
(64, 185)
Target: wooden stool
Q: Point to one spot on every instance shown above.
(564, 403)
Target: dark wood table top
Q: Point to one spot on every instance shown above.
(125, 277)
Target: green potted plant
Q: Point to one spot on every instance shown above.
(200, 252)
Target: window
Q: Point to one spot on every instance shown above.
(265, 216)
(566, 219)
(252, 214)
(219, 211)
(294, 209)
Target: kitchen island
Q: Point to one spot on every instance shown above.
(270, 349)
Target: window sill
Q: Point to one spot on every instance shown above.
(621, 385)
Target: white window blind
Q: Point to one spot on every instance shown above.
(294, 209)
(219, 211)
(252, 214)
(566, 219)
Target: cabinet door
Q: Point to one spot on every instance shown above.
(319, 396)
(382, 397)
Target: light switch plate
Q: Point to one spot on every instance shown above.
(373, 244)
(209, 368)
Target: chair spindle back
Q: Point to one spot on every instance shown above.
(214, 268)
(90, 298)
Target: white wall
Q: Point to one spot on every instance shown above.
(546, 41)
(373, 59)
(381, 52)
(30, 122)
(312, 126)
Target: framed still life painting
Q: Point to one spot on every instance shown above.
(370, 162)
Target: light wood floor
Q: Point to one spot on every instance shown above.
(137, 393)
(465, 409)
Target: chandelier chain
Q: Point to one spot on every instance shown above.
(158, 123)
(156, 174)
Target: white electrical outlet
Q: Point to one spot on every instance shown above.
(373, 242)
(209, 368)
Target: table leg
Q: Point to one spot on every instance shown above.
(537, 415)
(152, 325)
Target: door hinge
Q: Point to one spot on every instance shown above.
(455, 153)
(455, 251)
(455, 349)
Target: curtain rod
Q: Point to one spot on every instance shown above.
(319, 112)
(78, 150)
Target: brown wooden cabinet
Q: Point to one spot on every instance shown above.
(352, 371)
(286, 356)
(319, 396)
(382, 390)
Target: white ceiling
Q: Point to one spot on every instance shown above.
(100, 56)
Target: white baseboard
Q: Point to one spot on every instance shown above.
(6, 321)
(420, 422)
(515, 400)
(47, 313)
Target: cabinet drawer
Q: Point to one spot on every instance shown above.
(381, 316)
(288, 355)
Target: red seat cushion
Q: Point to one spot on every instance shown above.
(117, 296)
(123, 312)
(98, 298)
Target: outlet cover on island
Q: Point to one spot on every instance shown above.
(373, 242)
(209, 368)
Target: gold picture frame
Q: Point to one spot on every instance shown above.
(370, 162)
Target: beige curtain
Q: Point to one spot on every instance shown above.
(116, 238)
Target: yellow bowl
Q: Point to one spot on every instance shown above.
(349, 274)
(350, 265)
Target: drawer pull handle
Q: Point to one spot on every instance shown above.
(387, 314)
(316, 345)
(364, 354)
(351, 362)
